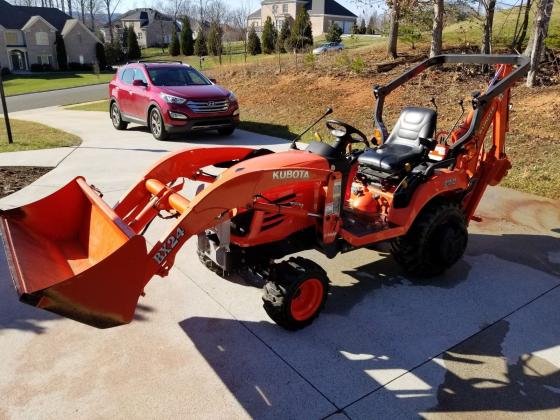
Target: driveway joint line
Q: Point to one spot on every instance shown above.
(454, 345)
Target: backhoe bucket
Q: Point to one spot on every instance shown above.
(69, 253)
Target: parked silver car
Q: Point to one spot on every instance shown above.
(329, 47)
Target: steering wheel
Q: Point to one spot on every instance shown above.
(343, 130)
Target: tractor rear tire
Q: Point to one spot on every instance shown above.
(437, 240)
(296, 293)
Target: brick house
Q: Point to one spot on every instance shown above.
(152, 28)
(27, 37)
(322, 14)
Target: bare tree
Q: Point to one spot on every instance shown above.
(489, 8)
(544, 11)
(111, 6)
(239, 22)
(437, 28)
(395, 16)
(81, 8)
(93, 7)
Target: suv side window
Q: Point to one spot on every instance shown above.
(139, 75)
(128, 76)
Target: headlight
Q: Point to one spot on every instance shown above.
(232, 97)
(170, 99)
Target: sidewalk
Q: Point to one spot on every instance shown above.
(481, 340)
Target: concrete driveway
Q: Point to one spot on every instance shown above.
(483, 339)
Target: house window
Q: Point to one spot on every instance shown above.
(45, 59)
(285, 8)
(11, 38)
(41, 38)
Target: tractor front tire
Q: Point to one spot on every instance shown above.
(296, 293)
(437, 240)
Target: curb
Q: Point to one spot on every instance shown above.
(52, 90)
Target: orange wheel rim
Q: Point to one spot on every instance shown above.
(307, 299)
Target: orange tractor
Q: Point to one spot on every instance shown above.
(90, 262)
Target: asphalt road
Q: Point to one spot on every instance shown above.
(57, 97)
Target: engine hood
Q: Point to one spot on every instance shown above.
(197, 92)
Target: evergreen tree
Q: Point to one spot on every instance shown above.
(285, 33)
(253, 42)
(302, 36)
(125, 37)
(215, 39)
(61, 57)
(370, 30)
(268, 38)
(134, 52)
(174, 47)
(363, 27)
(187, 43)
(333, 35)
(100, 56)
(200, 48)
(355, 29)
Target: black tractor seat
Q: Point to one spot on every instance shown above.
(403, 144)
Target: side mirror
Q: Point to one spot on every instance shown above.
(138, 82)
(213, 81)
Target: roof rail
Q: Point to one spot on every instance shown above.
(154, 61)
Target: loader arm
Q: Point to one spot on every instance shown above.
(88, 262)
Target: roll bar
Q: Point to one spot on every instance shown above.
(479, 103)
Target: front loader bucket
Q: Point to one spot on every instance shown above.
(69, 253)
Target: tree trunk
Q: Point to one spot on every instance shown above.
(83, 7)
(541, 31)
(70, 8)
(437, 28)
(394, 30)
(488, 22)
(109, 22)
(91, 17)
(523, 33)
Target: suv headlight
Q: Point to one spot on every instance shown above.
(170, 99)
(232, 97)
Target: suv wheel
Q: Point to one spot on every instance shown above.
(157, 126)
(116, 118)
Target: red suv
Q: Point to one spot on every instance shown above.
(170, 98)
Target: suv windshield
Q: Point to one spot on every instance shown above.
(176, 76)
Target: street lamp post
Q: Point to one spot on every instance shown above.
(5, 109)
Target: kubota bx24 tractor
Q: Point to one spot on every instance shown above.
(72, 254)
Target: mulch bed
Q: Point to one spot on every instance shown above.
(13, 179)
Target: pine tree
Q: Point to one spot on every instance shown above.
(355, 29)
(371, 26)
(174, 47)
(215, 44)
(253, 42)
(125, 37)
(363, 27)
(134, 52)
(100, 56)
(334, 33)
(302, 35)
(200, 48)
(268, 38)
(285, 33)
(187, 43)
(61, 58)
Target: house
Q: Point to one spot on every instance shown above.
(27, 37)
(152, 28)
(322, 13)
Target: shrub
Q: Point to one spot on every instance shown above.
(36, 67)
(358, 65)
(80, 67)
(253, 42)
(334, 33)
(114, 53)
(133, 52)
(174, 47)
(187, 42)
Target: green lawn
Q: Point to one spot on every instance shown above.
(18, 84)
(31, 136)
